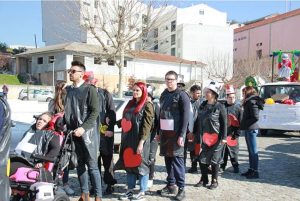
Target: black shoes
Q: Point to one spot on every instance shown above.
(193, 170)
(203, 182)
(109, 190)
(245, 174)
(253, 175)
(236, 169)
(180, 195)
(213, 185)
(167, 190)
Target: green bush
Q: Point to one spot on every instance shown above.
(9, 79)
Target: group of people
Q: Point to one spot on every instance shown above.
(181, 122)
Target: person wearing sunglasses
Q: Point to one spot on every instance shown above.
(81, 113)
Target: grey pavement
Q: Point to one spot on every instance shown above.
(279, 167)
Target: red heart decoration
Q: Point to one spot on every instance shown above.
(126, 125)
(231, 142)
(131, 160)
(210, 138)
(232, 120)
(197, 149)
(289, 102)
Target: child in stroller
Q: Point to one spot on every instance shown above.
(32, 162)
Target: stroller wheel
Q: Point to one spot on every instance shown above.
(61, 197)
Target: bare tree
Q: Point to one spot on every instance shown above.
(4, 62)
(117, 25)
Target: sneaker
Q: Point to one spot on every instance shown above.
(150, 183)
(140, 196)
(193, 170)
(68, 190)
(167, 190)
(180, 195)
(253, 175)
(127, 196)
(245, 174)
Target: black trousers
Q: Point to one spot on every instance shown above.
(107, 164)
(234, 160)
(176, 171)
(214, 171)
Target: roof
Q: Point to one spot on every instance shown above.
(268, 20)
(281, 83)
(96, 49)
(162, 57)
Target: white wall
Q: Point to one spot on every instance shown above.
(59, 64)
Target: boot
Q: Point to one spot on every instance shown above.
(203, 181)
(236, 169)
(249, 172)
(84, 197)
(253, 175)
(214, 184)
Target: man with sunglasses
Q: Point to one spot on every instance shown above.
(174, 117)
(81, 113)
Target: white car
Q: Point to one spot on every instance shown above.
(120, 104)
(280, 116)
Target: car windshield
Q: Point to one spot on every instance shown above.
(281, 92)
(118, 103)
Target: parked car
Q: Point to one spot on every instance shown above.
(36, 94)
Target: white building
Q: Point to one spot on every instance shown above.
(151, 67)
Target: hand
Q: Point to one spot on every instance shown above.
(157, 138)
(107, 120)
(79, 132)
(180, 142)
(190, 137)
(38, 165)
(109, 133)
(140, 147)
(224, 141)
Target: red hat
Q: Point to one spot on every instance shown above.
(89, 77)
(229, 89)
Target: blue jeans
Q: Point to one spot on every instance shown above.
(176, 171)
(131, 181)
(250, 136)
(93, 172)
(65, 178)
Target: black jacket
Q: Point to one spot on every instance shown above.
(252, 105)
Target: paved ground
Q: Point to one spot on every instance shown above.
(279, 165)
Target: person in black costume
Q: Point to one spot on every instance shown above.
(174, 118)
(212, 130)
(81, 113)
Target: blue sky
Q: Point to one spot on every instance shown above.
(21, 20)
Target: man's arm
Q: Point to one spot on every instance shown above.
(185, 113)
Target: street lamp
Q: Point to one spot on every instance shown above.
(53, 62)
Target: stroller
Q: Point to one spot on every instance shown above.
(29, 183)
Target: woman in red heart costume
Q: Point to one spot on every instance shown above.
(137, 123)
(234, 113)
(212, 130)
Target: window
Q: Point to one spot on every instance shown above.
(173, 51)
(40, 60)
(173, 25)
(96, 19)
(155, 48)
(155, 34)
(97, 60)
(86, 3)
(110, 62)
(78, 58)
(258, 54)
(96, 3)
(125, 63)
(201, 12)
(144, 19)
(173, 39)
(51, 59)
(108, 42)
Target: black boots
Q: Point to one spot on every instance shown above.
(251, 174)
(203, 181)
(214, 184)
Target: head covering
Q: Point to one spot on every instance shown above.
(214, 86)
(285, 56)
(89, 77)
(229, 89)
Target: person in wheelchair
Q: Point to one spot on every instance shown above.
(38, 140)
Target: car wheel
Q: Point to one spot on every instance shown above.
(61, 197)
(48, 99)
(263, 132)
(25, 98)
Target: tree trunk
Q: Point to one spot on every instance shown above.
(121, 72)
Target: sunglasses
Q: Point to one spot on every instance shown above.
(73, 71)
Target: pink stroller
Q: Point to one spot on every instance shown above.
(29, 183)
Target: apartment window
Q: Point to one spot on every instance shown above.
(78, 58)
(51, 59)
(86, 3)
(125, 63)
(104, 4)
(155, 48)
(155, 34)
(40, 60)
(258, 54)
(173, 51)
(173, 25)
(108, 42)
(110, 62)
(96, 19)
(144, 19)
(97, 60)
(173, 39)
(96, 3)
(201, 12)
